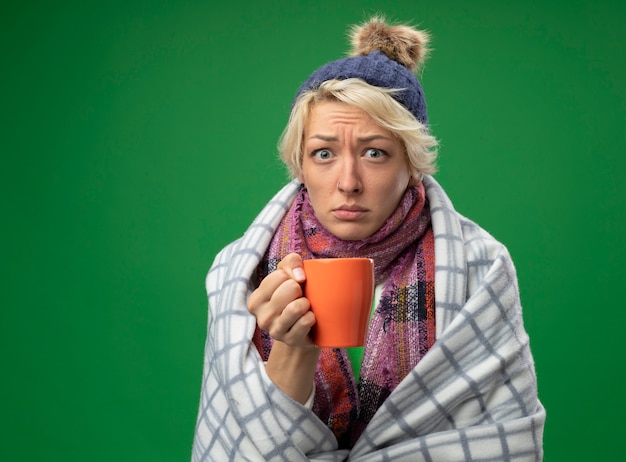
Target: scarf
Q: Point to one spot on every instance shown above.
(402, 327)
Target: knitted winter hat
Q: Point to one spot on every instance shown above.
(384, 56)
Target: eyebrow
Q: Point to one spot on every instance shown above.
(364, 139)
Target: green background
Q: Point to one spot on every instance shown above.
(138, 138)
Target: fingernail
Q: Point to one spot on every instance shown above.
(298, 273)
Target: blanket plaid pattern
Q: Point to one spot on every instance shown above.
(473, 396)
(402, 327)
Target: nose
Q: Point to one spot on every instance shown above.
(349, 181)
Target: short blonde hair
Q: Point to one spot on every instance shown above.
(420, 146)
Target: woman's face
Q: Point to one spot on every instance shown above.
(354, 170)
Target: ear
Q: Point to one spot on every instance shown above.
(416, 177)
(301, 177)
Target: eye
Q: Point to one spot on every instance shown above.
(322, 154)
(373, 153)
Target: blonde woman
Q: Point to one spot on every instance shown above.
(446, 372)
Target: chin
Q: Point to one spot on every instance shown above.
(350, 235)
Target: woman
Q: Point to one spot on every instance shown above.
(446, 372)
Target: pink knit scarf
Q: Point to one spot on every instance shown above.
(402, 328)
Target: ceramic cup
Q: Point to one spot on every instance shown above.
(340, 291)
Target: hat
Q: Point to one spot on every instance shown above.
(384, 56)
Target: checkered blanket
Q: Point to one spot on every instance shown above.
(473, 396)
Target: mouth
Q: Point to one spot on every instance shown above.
(349, 212)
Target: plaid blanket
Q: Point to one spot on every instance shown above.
(473, 396)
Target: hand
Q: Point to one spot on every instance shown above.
(280, 307)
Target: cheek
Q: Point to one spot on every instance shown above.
(393, 191)
(394, 182)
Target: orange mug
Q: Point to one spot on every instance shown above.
(340, 291)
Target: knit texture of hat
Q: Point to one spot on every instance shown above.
(373, 65)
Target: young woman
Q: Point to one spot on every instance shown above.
(446, 372)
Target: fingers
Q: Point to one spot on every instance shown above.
(294, 323)
(263, 294)
(292, 265)
(279, 306)
(289, 267)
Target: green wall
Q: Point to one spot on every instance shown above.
(138, 137)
